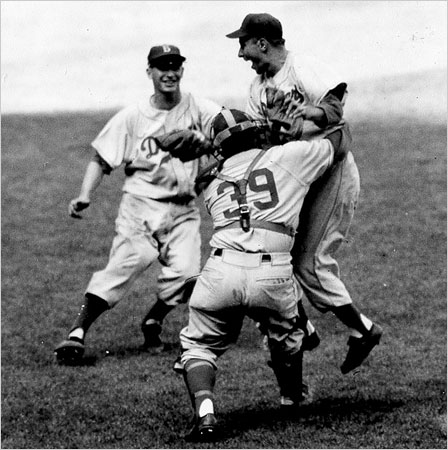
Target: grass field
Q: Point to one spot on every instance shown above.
(394, 265)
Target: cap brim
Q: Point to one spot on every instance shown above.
(237, 34)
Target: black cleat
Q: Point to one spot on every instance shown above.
(305, 399)
(204, 429)
(359, 348)
(70, 352)
(151, 333)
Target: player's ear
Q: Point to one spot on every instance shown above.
(263, 44)
(149, 71)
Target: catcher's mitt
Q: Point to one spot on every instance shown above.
(185, 144)
(282, 128)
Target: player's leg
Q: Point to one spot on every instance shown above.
(273, 303)
(324, 224)
(132, 252)
(215, 320)
(180, 255)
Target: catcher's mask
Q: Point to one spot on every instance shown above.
(229, 129)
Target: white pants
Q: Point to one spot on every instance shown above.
(232, 286)
(324, 224)
(147, 230)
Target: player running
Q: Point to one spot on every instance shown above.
(158, 217)
(315, 94)
(254, 197)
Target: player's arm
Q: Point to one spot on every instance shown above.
(93, 176)
(341, 140)
(328, 112)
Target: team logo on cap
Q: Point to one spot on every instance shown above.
(166, 48)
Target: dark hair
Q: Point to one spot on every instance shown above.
(276, 42)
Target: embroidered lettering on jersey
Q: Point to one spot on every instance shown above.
(294, 93)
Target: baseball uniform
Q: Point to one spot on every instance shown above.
(329, 206)
(250, 272)
(157, 217)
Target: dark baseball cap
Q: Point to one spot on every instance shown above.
(259, 25)
(165, 51)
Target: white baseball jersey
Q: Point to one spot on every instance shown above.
(304, 79)
(277, 185)
(128, 138)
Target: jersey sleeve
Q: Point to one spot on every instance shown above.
(113, 143)
(307, 160)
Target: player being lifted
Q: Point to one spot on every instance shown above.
(254, 197)
(315, 94)
(158, 217)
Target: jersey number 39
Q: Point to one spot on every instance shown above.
(259, 180)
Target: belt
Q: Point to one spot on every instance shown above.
(245, 259)
(265, 257)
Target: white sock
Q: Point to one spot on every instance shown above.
(367, 322)
(206, 408)
(152, 321)
(310, 328)
(77, 333)
(355, 333)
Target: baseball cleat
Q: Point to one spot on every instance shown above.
(359, 348)
(204, 429)
(310, 342)
(305, 399)
(69, 352)
(151, 333)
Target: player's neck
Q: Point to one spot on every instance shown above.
(166, 100)
(276, 63)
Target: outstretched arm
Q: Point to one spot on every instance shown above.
(92, 179)
(328, 112)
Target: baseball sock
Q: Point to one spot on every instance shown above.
(199, 376)
(158, 312)
(352, 318)
(91, 309)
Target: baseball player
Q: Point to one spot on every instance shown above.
(316, 96)
(254, 198)
(158, 217)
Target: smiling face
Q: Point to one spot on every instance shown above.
(254, 50)
(166, 75)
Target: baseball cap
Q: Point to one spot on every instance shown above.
(164, 53)
(259, 25)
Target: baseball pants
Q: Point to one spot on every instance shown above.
(233, 285)
(325, 220)
(147, 230)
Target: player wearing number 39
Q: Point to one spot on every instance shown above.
(158, 217)
(254, 198)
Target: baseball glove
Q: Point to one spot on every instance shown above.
(185, 144)
(282, 128)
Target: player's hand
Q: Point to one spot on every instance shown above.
(77, 205)
(294, 109)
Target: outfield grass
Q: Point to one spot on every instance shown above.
(394, 265)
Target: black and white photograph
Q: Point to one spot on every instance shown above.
(224, 224)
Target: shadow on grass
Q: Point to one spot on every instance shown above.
(321, 412)
(120, 352)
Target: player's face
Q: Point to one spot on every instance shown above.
(250, 50)
(166, 77)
